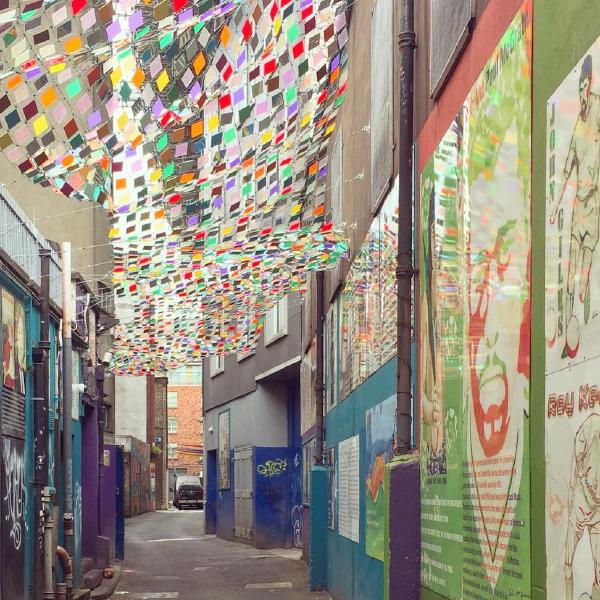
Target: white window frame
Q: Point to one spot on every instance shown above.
(170, 402)
(217, 364)
(171, 424)
(171, 451)
(276, 321)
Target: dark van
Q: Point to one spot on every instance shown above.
(189, 495)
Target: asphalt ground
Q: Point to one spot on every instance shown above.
(168, 557)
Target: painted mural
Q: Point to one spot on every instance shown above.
(224, 450)
(9, 378)
(573, 333)
(474, 330)
(381, 431)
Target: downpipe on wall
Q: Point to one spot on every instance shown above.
(319, 383)
(405, 271)
(67, 405)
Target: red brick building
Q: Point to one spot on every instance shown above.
(184, 421)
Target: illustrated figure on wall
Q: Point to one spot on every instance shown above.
(431, 393)
(584, 159)
(8, 339)
(20, 349)
(584, 501)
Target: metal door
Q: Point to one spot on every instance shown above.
(120, 508)
(243, 476)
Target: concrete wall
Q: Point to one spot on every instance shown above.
(60, 218)
(260, 416)
(130, 409)
(160, 433)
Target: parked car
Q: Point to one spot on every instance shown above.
(189, 495)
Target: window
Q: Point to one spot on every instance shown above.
(382, 94)
(107, 417)
(171, 399)
(217, 364)
(172, 424)
(172, 451)
(276, 321)
(105, 297)
(188, 375)
(450, 25)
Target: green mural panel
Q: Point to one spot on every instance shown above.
(474, 330)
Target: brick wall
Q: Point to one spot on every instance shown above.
(160, 433)
(189, 428)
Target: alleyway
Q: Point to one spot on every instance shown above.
(169, 557)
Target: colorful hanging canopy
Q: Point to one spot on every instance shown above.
(202, 127)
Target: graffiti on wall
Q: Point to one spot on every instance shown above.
(573, 333)
(272, 468)
(381, 428)
(14, 492)
(474, 330)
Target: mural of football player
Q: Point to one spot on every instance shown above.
(583, 160)
(584, 501)
(432, 409)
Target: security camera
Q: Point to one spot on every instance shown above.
(211, 430)
(108, 356)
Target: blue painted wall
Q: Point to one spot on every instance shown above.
(272, 483)
(351, 574)
(210, 493)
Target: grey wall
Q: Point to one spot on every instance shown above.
(238, 379)
(259, 418)
(130, 409)
(60, 219)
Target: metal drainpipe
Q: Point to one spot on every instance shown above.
(67, 404)
(100, 400)
(405, 272)
(39, 451)
(46, 492)
(319, 384)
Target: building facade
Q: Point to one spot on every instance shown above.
(184, 421)
(252, 462)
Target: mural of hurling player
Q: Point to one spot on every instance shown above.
(584, 159)
(432, 409)
(584, 502)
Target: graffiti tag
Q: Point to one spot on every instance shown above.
(272, 468)
(14, 483)
(296, 518)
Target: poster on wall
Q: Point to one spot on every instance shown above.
(224, 447)
(573, 333)
(474, 326)
(380, 430)
(308, 399)
(9, 377)
(349, 488)
(331, 487)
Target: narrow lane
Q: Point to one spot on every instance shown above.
(168, 557)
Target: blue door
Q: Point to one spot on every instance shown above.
(120, 512)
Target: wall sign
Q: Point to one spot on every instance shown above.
(349, 488)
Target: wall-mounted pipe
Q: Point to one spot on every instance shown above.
(67, 395)
(67, 567)
(405, 271)
(319, 384)
(48, 550)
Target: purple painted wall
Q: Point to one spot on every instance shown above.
(90, 471)
(405, 532)
(108, 493)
